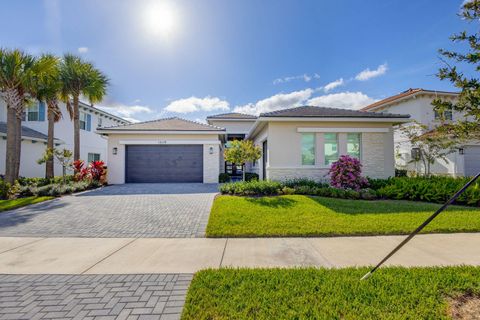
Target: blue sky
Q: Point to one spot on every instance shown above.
(192, 58)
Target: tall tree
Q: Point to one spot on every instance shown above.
(47, 90)
(18, 74)
(80, 79)
(468, 102)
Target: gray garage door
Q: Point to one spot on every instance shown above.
(164, 163)
(472, 160)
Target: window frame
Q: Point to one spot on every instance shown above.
(337, 143)
(29, 112)
(359, 134)
(92, 155)
(314, 142)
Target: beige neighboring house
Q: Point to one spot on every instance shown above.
(418, 103)
(296, 143)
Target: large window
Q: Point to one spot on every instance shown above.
(447, 115)
(330, 148)
(353, 145)
(308, 148)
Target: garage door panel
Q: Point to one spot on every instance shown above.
(164, 163)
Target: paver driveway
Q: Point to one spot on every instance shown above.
(130, 210)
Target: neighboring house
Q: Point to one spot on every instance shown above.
(34, 135)
(418, 103)
(296, 143)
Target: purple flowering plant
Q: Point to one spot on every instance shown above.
(346, 173)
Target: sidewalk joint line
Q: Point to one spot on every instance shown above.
(109, 255)
(223, 253)
(23, 245)
(331, 265)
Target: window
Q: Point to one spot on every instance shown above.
(36, 112)
(353, 144)
(331, 148)
(308, 148)
(85, 121)
(447, 115)
(93, 157)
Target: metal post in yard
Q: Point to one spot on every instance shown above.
(423, 225)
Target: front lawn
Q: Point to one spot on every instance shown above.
(391, 293)
(20, 202)
(297, 215)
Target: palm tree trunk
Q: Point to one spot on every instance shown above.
(49, 170)
(11, 145)
(18, 141)
(76, 129)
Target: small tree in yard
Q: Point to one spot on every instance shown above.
(431, 145)
(63, 157)
(242, 151)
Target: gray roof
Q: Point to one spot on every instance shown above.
(232, 115)
(322, 112)
(26, 132)
(167, 124)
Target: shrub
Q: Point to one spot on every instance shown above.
(376, 184)
(40, 182)
(4, 189)
(250, 176)
(287, 190)
(432, 189)
(292, 183)
(246, 188)
(346, 173)
(224, 177)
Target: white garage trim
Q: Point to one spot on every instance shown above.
(136, 142)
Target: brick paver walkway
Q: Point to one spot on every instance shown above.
(136, 297)
(131, 210)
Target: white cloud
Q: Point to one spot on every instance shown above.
(343, 100)
(83, 50)
(305, 77)
(128, 112)
(194, 104)
(332, 85)
(369, 74)
(276, 102)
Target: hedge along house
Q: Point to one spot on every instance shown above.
(164, 151)
(303, 142)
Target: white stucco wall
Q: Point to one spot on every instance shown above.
(30, 153)
(284, 149)
(421, 110)
(116, 167)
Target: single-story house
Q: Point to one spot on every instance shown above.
(296, 142)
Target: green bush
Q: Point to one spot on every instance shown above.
(4, 189)
(433, 189)
(40, 182)
(224, 178)
(250, 176)
(250, 188)
(292, 183)
(57, 189)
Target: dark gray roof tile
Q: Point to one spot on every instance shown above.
(26, 132)
(323, 112)
(167, 124)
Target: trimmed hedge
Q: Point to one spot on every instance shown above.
(433, 189)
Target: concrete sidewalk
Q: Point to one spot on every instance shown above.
(137, 255)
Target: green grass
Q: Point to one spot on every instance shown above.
(20, 202)
(392, 293)
(298, 215)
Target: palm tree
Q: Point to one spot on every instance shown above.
(80, 78)
(48, 90)
(18, 71)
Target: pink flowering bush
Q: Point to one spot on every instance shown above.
(346, 173)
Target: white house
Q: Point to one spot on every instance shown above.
(34, 135)
(418, 103)
(296, 143)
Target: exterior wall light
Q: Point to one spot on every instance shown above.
(115, 150)
(461, 151)
(210, 150)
